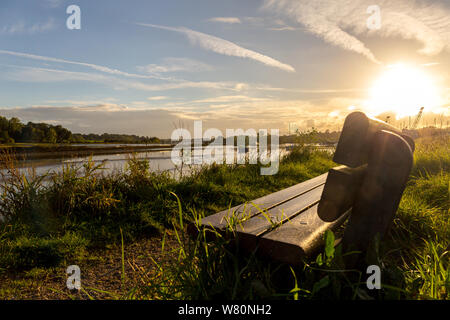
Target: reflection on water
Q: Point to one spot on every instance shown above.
(103, 145)
(158, 161)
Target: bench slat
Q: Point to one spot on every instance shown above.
(248, 210)
(298, 237)
(260, 223)
(249, 232)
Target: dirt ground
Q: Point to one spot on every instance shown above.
(101, 273)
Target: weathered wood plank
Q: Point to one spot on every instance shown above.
(376, 203)
(252, 208)
(266, 220)
(356, 139)
(298, 237)
(340, 190)
(249, 231)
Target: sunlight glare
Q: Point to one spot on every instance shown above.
(403, 90)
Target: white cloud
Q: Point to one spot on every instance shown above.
(268, 23)
(82, 102)
(46, 75)
(42, 75)
(239, 111)
(157, 98)
(54, 3)
(189, 84)
(21, 27)
(140, 118)
(285, 28)
(175, 65)
(337, 22)
(227, 99)
(88, 65)
(230, 20)
(223, 46)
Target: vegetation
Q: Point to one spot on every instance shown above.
(414, 257)
(113, 138)
(68, 218)
(13, 130)
(312, 136)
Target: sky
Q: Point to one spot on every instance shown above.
(149, 67)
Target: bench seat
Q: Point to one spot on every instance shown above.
(283, 226)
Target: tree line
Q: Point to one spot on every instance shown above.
(113, 138)
(13, 130)
(312, 136)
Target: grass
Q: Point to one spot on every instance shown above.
(53, 221)
(413, 257)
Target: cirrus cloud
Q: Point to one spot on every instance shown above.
(176, 65)
(230, 20)
(20, 27)
(339, 22)
(223, 46)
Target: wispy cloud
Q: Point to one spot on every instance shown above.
(47, 75)
(430, 64)
(228, 99)
(157, 98)
(20, 27)
(223, 46)
(53, 3)
(230, 20)
(43, 75)
(79, 102)
(337, 22)
(225, 85)
(268, 23)
(88, 65)
(284, 28)
(175, 65)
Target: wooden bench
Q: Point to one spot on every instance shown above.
(366, 190)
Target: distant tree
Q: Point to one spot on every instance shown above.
(308, 136)
(27, 134)
(4, 124)
(77, 138)
(51, 136)
(63, 135)
(15, 128)
(5, 138)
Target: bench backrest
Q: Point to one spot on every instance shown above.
(377, 160)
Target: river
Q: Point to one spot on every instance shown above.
(159, 160)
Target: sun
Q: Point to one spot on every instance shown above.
(403, 90)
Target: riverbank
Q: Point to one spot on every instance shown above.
(81, 218)
(45, 151)
(30, 151)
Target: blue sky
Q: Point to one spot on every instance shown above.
(143, 67)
